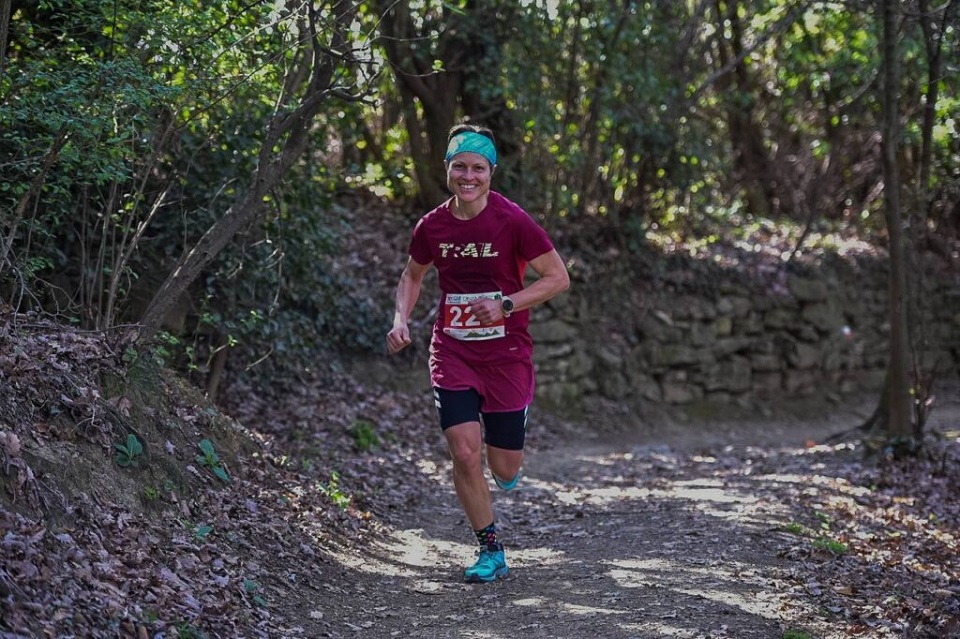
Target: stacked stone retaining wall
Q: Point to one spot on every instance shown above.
(821, 331)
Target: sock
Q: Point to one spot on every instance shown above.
(487, 537)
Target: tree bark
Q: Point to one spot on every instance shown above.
(898, 422)
(933, 35)
(750, 154)
(5, 9)
(430, 97)
(484, 100)
(284, 142)
(934, 24)
(49, 159)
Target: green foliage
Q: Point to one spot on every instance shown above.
(830, 545)
(186, 630)
(146, 116)
(211, 460)
(142, 122)
(608, 117)
(202, 530)
(364, 435)
(128, 453)
(821, 538)
(162, 349)
(333, 492)
(76, 123)
(251, 587)
(294, 304)
(796, 634)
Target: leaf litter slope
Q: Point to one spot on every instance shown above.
(731, 525)
(666, 526)
(721, 527)
(646, 540)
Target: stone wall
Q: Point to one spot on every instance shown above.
(821, 331)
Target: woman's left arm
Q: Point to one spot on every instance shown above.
(553, 280)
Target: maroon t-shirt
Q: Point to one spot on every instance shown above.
(488, 253)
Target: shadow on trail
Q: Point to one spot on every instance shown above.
(618, 545)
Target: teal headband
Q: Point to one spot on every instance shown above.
(470, 142)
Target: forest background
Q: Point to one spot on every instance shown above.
(179, 168)
(190, 186)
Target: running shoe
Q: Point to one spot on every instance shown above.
(491, 564)
(506, 485)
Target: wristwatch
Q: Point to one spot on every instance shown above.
(506, 304)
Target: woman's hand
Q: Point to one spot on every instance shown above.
(486, 310)
(398, 339)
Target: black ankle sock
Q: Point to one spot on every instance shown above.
(487, 537)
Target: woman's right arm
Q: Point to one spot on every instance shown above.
(408, 292)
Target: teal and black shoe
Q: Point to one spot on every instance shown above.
(506, 485)
(491, 565)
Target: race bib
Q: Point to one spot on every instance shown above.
(460, 323)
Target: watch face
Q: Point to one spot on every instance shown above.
(507, 304)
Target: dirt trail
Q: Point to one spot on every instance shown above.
(614, 537)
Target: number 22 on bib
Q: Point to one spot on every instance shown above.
(460, 323)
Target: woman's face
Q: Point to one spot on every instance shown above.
(468, 176)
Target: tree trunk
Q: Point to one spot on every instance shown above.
(284, 142)
(750, 154)
(933, 41)
(217, 366)
(484, 101)
(430, 184)
(5, 8)
(49, 159)
(934, 24)
(897, 425)
(238, 217)
(430, 97)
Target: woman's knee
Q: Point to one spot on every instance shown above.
(465, 445)
(465, 456)
(504, 463)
